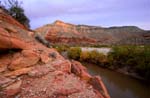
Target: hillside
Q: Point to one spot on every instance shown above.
(61, 32)
(28, 69)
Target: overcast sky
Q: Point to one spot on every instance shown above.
(91, 12)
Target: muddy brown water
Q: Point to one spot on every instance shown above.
(119, 85)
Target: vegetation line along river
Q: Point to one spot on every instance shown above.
(118, 85)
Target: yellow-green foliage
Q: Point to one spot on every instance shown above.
(136, 58)
(74, 53)
(85, 56)
(93, 57)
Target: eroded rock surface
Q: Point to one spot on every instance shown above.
(36, 71)
(25, 59)
(66, 33)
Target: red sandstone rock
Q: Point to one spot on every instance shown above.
(31, 34)
(28, 58)
(99, 94)
(4, 41)
(63, 65)
(13, 89)
(7, 41)
(18, 44)
(8, 19)
(66, 92)
(4, 80)
(54, 85)
(66, 33)
(3, 68)
(45, 58)
(5, 60)
(39, 71)
(13, 35)
(80, 70)
(36, 71)
(98, 85)
(18, 72)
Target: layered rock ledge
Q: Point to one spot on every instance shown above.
(65, 33)
(28, 69)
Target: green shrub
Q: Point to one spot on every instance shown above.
(74, 53)
(135, 58)
(98, 58)
(15, 9)
(143, 62)
(93, 57)
(85, 56)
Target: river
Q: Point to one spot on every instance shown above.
(119, 85)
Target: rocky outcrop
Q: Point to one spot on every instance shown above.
(36, 71)
(4, 17)
(60, 32)
(99, 86)
(8, 40)
(80, 70)
(25, 59)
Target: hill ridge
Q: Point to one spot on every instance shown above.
(84, 34)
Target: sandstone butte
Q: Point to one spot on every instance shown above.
(28, 69)
(60, 32)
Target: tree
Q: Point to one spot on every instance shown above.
(16, 11)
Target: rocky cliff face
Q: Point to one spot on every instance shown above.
(28, 69)
(60, 32)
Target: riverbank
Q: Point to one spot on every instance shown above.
(133, 61)
(131, 74)
(120, 85)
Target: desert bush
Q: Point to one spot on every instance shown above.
(42, 40)
(135, 58)
(74, 53)
(143, 62)
(98, 58)
(85, 56)
(14, 8)
(93, 57)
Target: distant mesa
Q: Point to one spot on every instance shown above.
(67, 33)
(58, 22)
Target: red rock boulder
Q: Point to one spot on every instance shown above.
(7, 41)
(4, 62)
(79, 70)
(13, 89)
(98, 84)
(26, 59)
(62, 65)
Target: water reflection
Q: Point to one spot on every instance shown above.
(119, 85)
